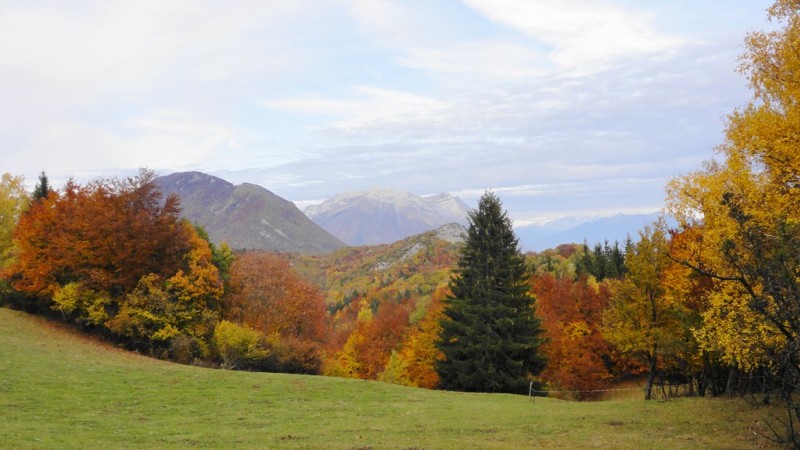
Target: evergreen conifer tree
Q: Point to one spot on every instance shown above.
(490, 333)
(42, 189)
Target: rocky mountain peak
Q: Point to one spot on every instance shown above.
(382, 216)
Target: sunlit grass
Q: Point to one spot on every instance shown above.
(59, 390)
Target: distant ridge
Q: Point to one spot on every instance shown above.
(613, 228)
(246, 216)
(381, 216)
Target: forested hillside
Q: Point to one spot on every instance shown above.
(384, 304)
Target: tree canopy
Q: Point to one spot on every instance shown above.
(746, 206)
(490, 334)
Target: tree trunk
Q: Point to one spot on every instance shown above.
(733, 379)
(651, 375)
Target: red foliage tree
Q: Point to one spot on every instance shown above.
(267, 295)
(106, 235)
(380, 336)
(114, 253)
(572, 313)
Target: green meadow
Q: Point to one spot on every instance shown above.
(61, 390)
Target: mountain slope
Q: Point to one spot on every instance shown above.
(246, 216)
(382, 216)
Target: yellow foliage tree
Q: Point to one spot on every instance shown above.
(747, 205)
(186, 304)
(13, 201)
(642, 319)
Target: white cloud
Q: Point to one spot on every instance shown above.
(97, 86)
(490, 58)
(552, 101)
(371, 105)
(579, 215)
(584, 35)
(159, 139)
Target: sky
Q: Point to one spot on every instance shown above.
(564, 108)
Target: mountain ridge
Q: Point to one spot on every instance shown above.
(611, 228)
(246, 216)
(383, 216)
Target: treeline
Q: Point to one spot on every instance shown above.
(113, 257)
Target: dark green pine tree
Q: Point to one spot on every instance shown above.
(490, 333)
(42, 189)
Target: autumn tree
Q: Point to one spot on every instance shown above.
(380, 336)
(186, 304)
(418, 354)
(13, 202)
(706, 357)
(269, 297)
(576, 349)
(222, 255)
(114, 255)
(747, 203)
(106, 235)
(490, 333)
(237, 345)
(642, 320)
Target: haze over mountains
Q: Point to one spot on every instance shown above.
(381, 216)
(612, 228)
(248, 216)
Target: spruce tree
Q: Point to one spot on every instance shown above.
(490, 332)
(42, 189)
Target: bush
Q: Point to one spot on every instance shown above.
(237, 345)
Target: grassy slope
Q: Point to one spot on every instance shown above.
(58, 390)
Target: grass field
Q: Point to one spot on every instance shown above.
(59, 390)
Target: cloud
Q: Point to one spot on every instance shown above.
(561, 105)
(92, 87)
(372, 105)
(584, 36)
(160, 139)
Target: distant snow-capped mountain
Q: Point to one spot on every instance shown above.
(382, 216)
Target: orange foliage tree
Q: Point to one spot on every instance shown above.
(268, 296)
(379, 337)
(115, 254)
(106, 235)
(369, 346)
(418, 354)
(575, 347)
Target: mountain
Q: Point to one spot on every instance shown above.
(246, 216)
(613, 228)
(381, 216)
(420, 263)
